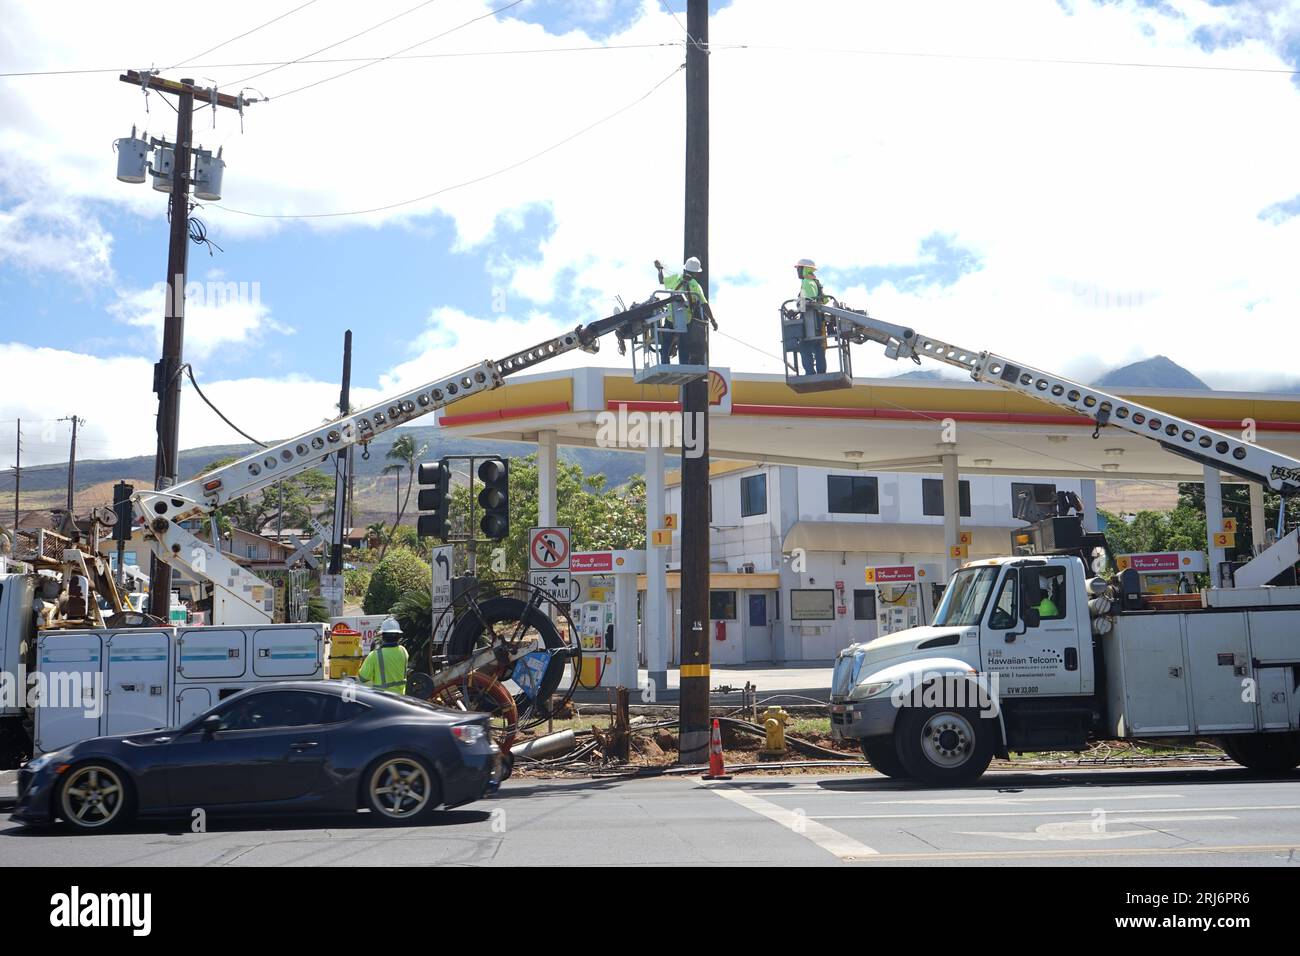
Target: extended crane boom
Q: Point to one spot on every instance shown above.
(240, 597)
(1271, 469)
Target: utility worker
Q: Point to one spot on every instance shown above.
(1047, 607)
(385, 667)
(812, 350)
(688, 282)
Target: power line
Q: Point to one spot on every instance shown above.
(468, 182)
(1032, 60)
(372, 27)
(328, 61)
(436, 36)
(242, 35)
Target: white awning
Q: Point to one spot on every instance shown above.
(902, 538)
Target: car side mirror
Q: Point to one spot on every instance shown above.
(211, 725)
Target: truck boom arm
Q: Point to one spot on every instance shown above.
(162, 509)
(1273, 470)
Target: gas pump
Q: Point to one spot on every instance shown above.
(904, 597)
(595, 622)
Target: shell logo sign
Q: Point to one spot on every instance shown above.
(720, 391)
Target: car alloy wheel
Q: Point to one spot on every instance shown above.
(93, 797)
(400, 788)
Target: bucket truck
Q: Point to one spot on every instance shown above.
(1048, 648)
(50, 619)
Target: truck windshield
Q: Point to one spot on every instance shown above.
(964, 599)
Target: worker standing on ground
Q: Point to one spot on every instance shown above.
(812, 350)
(687, 282)
(385, 667)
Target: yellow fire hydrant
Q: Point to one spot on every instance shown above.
(774, 721)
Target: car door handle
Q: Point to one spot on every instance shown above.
(304, 744)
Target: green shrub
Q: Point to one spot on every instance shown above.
(399, 572)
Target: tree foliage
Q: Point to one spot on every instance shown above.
(295, 500)
(399, 572)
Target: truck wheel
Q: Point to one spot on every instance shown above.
(1267, 753)
(95, 797)
(943, 746)
(883, 756)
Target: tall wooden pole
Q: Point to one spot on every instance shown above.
(693, 744)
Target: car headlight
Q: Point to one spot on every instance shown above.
(36, 763)
(873, 689)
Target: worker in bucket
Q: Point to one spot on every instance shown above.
(812, 350)
(688, 282)
(385, 667)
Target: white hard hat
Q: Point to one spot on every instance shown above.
(692, 265)
(390, 626)
(806, 264)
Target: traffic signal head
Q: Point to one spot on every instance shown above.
(122, 493)
(434, 499)
(494, 499)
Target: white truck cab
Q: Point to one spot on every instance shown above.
(1029, 653)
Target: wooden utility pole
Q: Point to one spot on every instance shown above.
(166, 374)
(693, 743)
(18, 471)
(72, 457)
(342, 479)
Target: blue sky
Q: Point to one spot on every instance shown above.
(931, 190)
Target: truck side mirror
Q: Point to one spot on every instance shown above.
(1031, 595)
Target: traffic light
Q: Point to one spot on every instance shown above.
(122, 493)
(494, 499)
(434, 499)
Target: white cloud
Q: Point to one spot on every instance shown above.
(218, 314)
(1114, 209)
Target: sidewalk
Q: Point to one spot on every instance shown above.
(787, 682)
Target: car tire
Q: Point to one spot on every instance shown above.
(1264, 753)
(401, 789)
(943, 746)
(883, 757)
(95, 796)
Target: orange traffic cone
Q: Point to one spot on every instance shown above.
(717, 769)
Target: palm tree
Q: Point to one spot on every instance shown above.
(404, 457)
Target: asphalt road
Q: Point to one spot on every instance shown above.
(1197, 818)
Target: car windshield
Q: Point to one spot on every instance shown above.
(964, 599)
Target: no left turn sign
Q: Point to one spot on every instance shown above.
(548, 549)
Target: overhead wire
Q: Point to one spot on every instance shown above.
(437, 36)
(334, 61)
(260, 26)
(469, 182)
(369, 29)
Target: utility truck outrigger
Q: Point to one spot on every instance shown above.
(1048, 648)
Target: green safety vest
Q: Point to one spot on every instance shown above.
(1046, 608)
(811, 289)
(385, 669)
(694, 294)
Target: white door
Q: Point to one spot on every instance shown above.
(208, 653)
(287, 651)
(139, 665)
(70, 665)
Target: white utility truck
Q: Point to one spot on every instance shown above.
(1048, 648)
(51, 585)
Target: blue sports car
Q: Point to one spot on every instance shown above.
(302, 747)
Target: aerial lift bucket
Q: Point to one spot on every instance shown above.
(654, 349)
(798, 327)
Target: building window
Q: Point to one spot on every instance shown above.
(753, 496)
(864, 605)
(1031, 501)
(722, 605)
(852, 495)
(932, 496)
